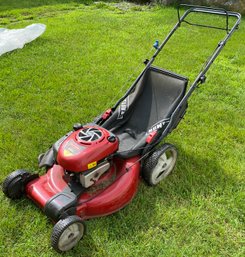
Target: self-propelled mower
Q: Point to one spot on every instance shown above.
(94, 170)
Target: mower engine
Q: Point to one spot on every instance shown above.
(85, 153)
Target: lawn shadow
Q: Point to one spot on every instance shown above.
(203, 176)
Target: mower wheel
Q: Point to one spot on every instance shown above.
(159, 164)
(66, 233)
(14, 184)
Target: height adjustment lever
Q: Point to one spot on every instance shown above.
(156, 44)
(202, 79)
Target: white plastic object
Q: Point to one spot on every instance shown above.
(11, 39)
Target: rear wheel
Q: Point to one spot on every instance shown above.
(159, 164)
(14, 184)
(67, 233)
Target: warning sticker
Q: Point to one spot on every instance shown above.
(72, 148)
(92, 165)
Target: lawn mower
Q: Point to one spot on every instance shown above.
(94, 170)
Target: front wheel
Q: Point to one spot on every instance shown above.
(159, 164)
(14, 184)
(67, 233)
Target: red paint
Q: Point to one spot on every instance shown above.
(151, 137)
(43, 188)
(103, 201)
(107, 114)
(117, 195)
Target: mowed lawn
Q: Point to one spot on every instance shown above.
(75, 71)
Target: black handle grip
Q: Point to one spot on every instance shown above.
(208, 10)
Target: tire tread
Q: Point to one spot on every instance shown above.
(59, 228)
(9, 186)
(151, 162)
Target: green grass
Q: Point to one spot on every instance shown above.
(73, 72)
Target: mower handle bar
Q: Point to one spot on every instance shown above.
(198, 9)
(201, 76)
(207, 10)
